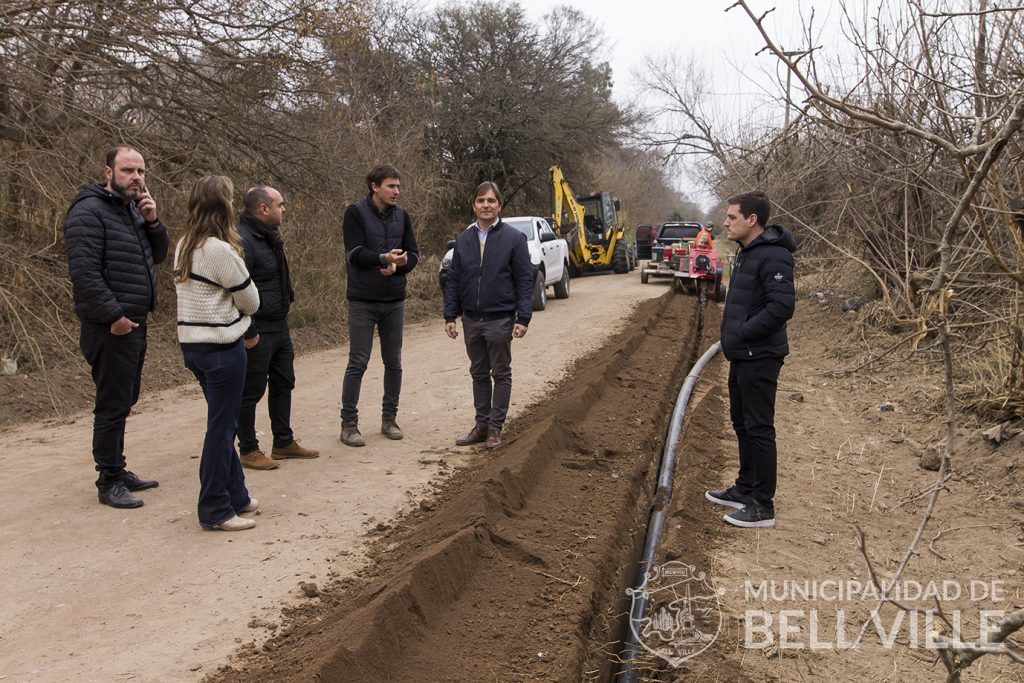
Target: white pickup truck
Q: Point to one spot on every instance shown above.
(548, 252)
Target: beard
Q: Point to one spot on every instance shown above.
(129, 193)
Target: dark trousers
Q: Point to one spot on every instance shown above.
(752, 385)
(116, 363)
(363, 317)
(489, 347)
(221, 374)
(271, 362)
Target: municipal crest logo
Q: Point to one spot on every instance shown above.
(682, 617)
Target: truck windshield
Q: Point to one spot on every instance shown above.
(679, 232)
(523, 225)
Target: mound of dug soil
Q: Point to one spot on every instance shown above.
(519, 568)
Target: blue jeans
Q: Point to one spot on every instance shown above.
(221, 374)
(388, 318)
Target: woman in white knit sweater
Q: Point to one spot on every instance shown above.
(216, 296)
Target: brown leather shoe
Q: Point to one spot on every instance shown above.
(257, 460)
(493, 438)
(476, 435)
(293, 450)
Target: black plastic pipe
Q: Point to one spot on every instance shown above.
(662, 498)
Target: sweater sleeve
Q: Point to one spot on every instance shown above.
(226, 268)
(409, 247)
(158, 241)
(354, 236)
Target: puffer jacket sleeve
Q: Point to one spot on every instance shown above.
(84, 239)
(158, 241)
(775, 273)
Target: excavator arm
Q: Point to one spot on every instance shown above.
(563, 201)
(598, 246)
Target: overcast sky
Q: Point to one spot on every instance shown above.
(725, 44)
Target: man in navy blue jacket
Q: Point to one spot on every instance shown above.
(380, 249)
(490, 284)
(760, 300)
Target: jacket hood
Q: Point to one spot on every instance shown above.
(97, 190)
(777, 235)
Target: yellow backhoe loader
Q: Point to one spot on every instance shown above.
(587, 222)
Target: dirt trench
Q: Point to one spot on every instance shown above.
(519, 572)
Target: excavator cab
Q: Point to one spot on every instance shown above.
(588, 223)
(599, 217)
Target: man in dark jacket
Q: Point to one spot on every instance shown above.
(380, 250)
(268, 342)
(760, 300)
(113, 239)
(490, 283)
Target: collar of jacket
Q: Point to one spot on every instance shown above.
(494, 226)
(373, 207)
(259, 227)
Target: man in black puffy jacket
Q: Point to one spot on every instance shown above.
(380, 250)
(268, 342)
(113, 239)
(760, 300)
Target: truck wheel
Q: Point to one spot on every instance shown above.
(631, 253)
(643, 276)
(540, 292)
(562, 286)
(620, 261)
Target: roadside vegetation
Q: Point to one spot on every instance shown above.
(306, 96)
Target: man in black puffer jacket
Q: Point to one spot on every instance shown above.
(113, 239)
(380, 250)
(760, 300)
(268, 342)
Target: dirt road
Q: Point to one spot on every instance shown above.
(93, 593)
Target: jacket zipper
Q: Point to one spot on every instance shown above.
(480, 275)
(142, 248)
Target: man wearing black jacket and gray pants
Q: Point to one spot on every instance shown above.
(380, 250)
(114, 239)
(760, 300)
(270, 356)
(490, 283)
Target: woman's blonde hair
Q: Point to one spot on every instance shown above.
(210, 214)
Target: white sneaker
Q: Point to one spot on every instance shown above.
(252, 508)
(235, 523)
